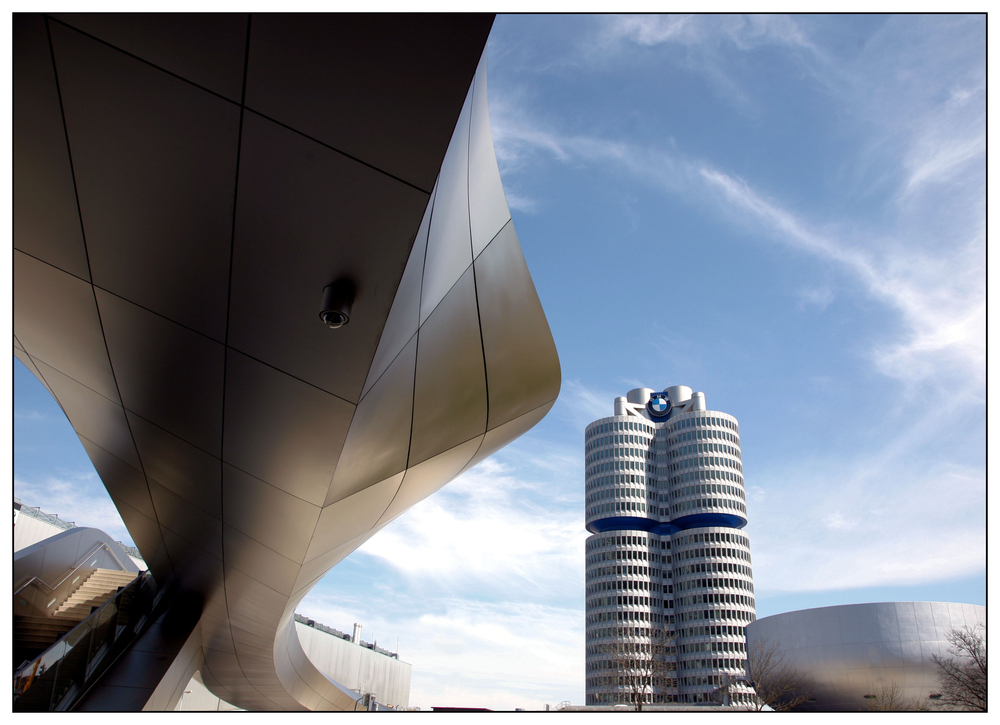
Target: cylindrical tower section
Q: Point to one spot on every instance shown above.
(704, 468)
(625, 561)
(618, 465)
(713, 605)
(678, 394)
(621, 627)
(713, 577)
(669, 583)
(639, 396)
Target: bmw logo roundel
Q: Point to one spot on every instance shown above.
(659, 405)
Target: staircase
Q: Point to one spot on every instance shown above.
(34, 635)
(96, 589)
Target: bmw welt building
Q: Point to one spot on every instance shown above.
(265, 265)
(668, 570)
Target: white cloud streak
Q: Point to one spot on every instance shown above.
(81, 500)
(937, 288)
(490, 531)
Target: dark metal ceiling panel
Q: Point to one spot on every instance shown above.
(241, 584)
(155, 161)
(449, 396)
(307, 216)
(196, 569)
(46, 220)
(267, 514)
(522, 366)
(208, 49)
(282, 430)
(257, 561)
(189, 472)
(165, 372)
(145, 532)
(93, 416)
(29, 363)
(387, 407)
(382, 88)
(56, 317)
(122, 480)
(179, 516)
(449, 241)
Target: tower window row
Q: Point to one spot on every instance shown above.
(697, 421)
(620, 426)
(703, 434)
(694, 448)
(709, 475)
(711, 537)
(619, 453)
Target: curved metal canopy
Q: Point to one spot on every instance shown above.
(184, 189)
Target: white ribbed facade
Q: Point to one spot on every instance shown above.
(668, 570)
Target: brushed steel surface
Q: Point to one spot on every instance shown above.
(384, 89)
(94, 417)
(522, 368)
(449, 241)
(450, 395)
(487, 202)
(387, 407)
(187, 470)
(404, 316)
(307, 215)
(252, 448)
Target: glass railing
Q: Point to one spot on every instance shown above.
(58, 677)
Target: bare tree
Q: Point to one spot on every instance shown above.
(638, 666)
(888, 697)
(963, 676)
(776, 684)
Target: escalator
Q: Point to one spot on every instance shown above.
(35, 634)
(57, 678)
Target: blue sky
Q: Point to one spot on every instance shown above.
(787, 213)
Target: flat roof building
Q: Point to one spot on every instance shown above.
(669, 579)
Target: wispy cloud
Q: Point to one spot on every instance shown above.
(491, 530)
(944, 315)
(938, 289)
(820, 297)
(81, 499)
(744, 32)
(28, 415)
(582, 404)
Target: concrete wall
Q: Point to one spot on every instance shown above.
(28, 530)
(357, 667)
